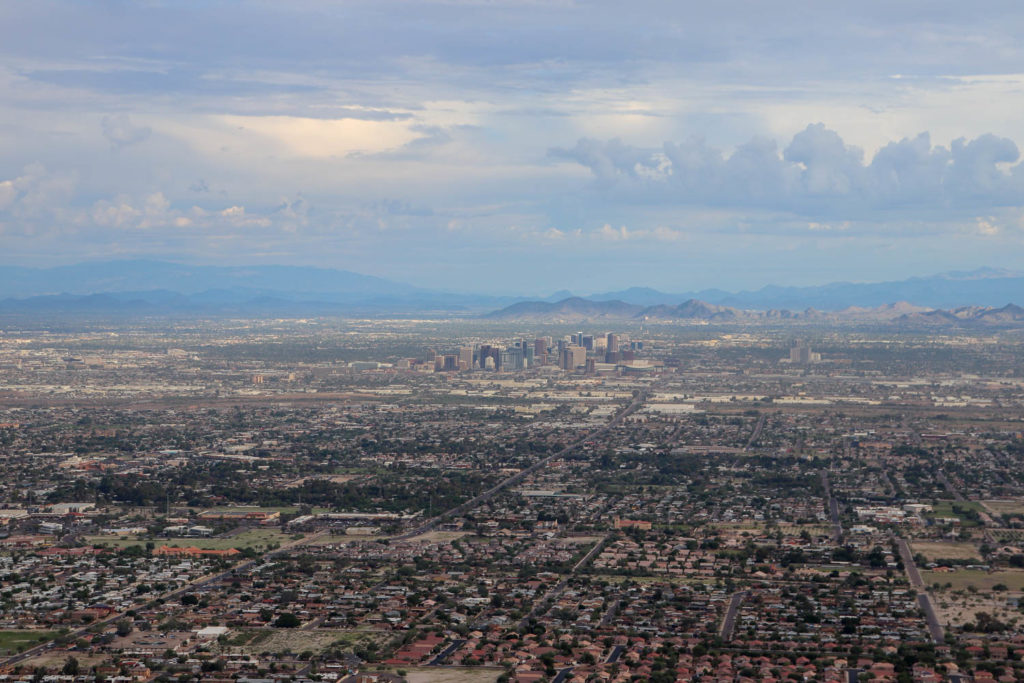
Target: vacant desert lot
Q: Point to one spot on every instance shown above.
(946, 551)
(453, 675)
(1006, 507)
(296, 640)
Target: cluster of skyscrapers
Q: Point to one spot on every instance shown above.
(573, 352)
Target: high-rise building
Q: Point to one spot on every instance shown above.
(492, 352)
(572, 357)
(512, 359)
(465, 357)
(612, 344)
(802, 354)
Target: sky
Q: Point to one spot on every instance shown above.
(518, 146)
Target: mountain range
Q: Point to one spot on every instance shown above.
(578, 310)
(133, 287)
(982, 287)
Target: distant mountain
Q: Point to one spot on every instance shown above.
(965, 316)
(691, 310)
(900, 314)
(983, 287)
(159, 287)
(574, 309)
(141, 275)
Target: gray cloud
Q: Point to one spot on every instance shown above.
(816, 174)
(121, 132)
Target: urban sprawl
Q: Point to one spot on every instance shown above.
(341, 500)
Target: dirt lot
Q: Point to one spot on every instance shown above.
(453, 675)
(959, 609)
(946, 551)
(440, 536)
(49, 660)
(581, 540)
(295, 640)
(1008, 507)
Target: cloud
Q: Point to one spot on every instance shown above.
(816, 175)
(121, 132)
(36, 195)
(622, 234)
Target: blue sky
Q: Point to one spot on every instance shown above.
(518, 146)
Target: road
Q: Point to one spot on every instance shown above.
(606, 620)
(446, 653)
(562, 675)
(758, 428)
(559, 587)
(923, 599)
(833, 509)
(890, 487)
(957, 496)
(729, 621)
(196, 584)
(522, 475)
(615, 654)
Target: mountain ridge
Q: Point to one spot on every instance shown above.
(578, 310)
(166, 286)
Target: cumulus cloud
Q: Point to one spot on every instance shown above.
(155, 211)
(817, 174)
(36, 194)
(623, 234)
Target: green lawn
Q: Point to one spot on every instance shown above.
(257, 539)
(12, 641)
(980, 579)
(944, 508)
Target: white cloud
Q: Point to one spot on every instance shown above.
(816, 175)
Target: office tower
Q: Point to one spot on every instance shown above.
(802, 354)
(492, 352)
(573, 357)
(465, 357)
(612, 345)
(588, 342)
(540, 347)
(511, 359)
